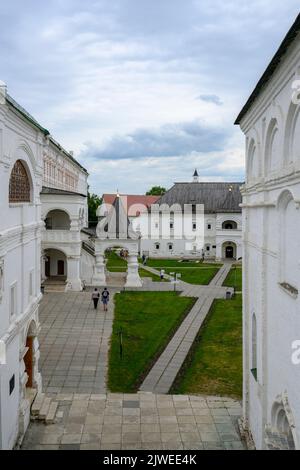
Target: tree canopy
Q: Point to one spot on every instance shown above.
(94, 202)
(156, 191)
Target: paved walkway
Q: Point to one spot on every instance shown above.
(138, 421)
(166, 368)
(74, 341)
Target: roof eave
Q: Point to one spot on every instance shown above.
(270, 70)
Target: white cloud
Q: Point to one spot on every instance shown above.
(91, 71)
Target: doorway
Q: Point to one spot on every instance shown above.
(28, 361)
(47, 266)
(60, 267)
(229, 252)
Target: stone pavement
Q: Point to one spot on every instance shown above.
(166, 368)
(138, 421)
(74, 341)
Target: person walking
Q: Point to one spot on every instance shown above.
(95, 297)
(162, 274)
(105, 298)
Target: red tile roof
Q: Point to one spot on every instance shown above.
(135, 203)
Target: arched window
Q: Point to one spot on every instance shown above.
(254, 347)
(170, 246)
(19, 185)
(229, 225)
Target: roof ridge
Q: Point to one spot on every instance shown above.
(271, 68)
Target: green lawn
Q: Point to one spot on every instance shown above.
(234, 278)
(174, 263)
(114, 263)
(191, 271)
(154, 277)
(195, 275)
(214, 364)
(148, 321)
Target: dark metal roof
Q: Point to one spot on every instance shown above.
(267, 75)
(46, 190)
(25, 114)
(216, 197)
(17, 107)
(195, 172)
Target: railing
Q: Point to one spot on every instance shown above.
(60, 236)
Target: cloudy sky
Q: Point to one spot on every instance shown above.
(143, 91)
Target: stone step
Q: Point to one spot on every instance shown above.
(37, 404)
(44, 409)
(51, 413)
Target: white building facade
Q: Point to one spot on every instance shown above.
(197, 219)
(270, 121)
(21, 170)
(65, 212)
(26, 199)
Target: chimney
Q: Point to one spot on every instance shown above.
(71, 152)
(3, 90)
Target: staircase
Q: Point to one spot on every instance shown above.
(44, 409)
(278, 441)
(55, 284)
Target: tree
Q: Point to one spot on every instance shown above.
(156, 191)
(94, 202)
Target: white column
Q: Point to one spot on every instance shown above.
(99, 278)
(133, 277)
(73, 269)
(43, 260)
(219, 251)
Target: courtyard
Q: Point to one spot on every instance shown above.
(74, 342)
(74, 359)
(138, 421)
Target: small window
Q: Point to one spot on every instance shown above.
(209, 227)
(171, 225)
(30, 284)
(156, 224)
(214, 247)
(12, 384)
(170, 246)
(194, 226)
(13, 300)
(157, 246)
(208, 248)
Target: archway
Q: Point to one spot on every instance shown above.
(229, 250)
(116, 265)
(56, 270)
(115, 229)
(57, 219)
(19, 183)
(55, 264)
(229, 225)
(31, 357)
(30, 377)
(281, 434)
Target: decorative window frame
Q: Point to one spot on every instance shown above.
(13, 312)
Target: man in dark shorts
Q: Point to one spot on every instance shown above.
(105, 298)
